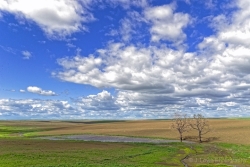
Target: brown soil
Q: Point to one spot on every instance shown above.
(223, 130)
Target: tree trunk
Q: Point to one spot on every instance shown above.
(200, 137)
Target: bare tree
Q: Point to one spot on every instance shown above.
(181, 124)
(200, 123)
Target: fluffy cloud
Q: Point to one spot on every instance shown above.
(154, 80)
(101, 101)
(22, 91)
(161, 23)
(37, 90)
(230, 49)
(26, 54)
(60, 18)
(102, 105)
(129, 26)
(57, 18)
(36, 109)
(161, 70)
(166, 25)
(127, 105)
(126, 29)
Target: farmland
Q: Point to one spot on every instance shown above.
(223, 130)
(227, 144)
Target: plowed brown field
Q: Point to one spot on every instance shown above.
(223, 130)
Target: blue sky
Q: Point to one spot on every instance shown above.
(121, 59)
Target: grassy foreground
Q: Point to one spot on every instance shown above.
(43, 153)
(18, 147)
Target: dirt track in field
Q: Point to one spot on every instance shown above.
(223, 130)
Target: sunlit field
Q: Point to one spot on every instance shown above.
(223, 130)
(227, 144)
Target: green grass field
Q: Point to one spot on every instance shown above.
(43, 153)
(19, 148)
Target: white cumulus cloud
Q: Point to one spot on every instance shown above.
(22, 91)
(153, 80)
(57, 18)
(26, 54)
(37, 90)
(36, 109)
(166, 25)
